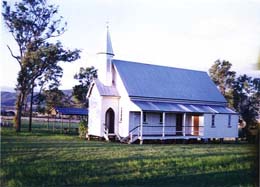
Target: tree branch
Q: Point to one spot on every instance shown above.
(16, 57)
(54, 36)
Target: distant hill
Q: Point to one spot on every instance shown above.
(7, 89)
(8, 99)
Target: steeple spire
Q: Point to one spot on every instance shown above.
(109, 43)
(105, 67)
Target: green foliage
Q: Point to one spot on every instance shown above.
(50, 98)
(85, 78)
(221, 74)
(80, 94)
(34, 159)
(83, 128)
(32, 25)
(247, 98)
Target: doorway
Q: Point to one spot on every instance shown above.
(195, 125)
(110, 121)
(179, 124)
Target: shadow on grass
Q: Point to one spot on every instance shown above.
(232, 178)
(32, 159)
(57, 178)
(122, 172)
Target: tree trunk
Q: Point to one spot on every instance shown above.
(17, 119)
(30, 113)
(18, 115)
(19, 108)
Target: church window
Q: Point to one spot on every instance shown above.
(121, 114)
(144, 117)
(213, 121)
(229, 121)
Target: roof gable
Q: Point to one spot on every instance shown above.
(106, 90)
(153, 81)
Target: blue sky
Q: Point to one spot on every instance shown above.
(179, 33)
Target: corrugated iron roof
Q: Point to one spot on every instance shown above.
(186, 108)
(146, 80)
(106, 90)
(71, 111)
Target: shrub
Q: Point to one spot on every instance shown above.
(83, 128)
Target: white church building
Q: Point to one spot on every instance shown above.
(135, 101)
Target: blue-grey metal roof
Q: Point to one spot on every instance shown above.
(106, 90)
(71, 111)
(146, 80)
(185, 108)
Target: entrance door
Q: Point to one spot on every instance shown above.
(196, 125)
(110, 121)
(179, 124)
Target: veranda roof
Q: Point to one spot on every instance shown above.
(184, 108)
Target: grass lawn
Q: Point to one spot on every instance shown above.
(46, 159)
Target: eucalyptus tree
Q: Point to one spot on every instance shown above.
(221, 74)
(246, 96)
(85, 77)
(34, 24)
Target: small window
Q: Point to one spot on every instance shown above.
(144, 118)
(213, 121)
(121, 115)
(161, 118)
(229, 121)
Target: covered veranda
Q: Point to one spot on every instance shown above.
(188, 120)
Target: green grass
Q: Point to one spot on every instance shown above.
(44, 126)
(46, 159)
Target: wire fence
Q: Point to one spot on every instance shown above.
(54, 125)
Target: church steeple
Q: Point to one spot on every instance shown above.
(109, 44)
(104, 62)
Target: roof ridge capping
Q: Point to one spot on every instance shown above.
(162, 66)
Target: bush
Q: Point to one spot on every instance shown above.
(83, 128)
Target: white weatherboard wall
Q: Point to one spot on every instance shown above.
(221, 129)
(134, 120)
(94, 116)
(125, 104)
(152, 124)
(170, 120)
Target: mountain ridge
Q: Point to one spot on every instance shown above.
(8, 98)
